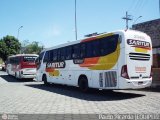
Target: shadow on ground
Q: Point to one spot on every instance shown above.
(91, 95)
(150, 89)
(9, 78)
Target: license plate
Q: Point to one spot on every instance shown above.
(140, 83)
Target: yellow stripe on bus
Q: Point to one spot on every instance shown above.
(141, 50)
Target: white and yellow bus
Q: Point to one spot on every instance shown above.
(115, 60)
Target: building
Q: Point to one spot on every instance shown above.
(152, 28)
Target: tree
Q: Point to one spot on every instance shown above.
(9, 45)
(32, 48)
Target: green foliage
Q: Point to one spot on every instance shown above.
(1, 61)
(32, 48)
(9, 45)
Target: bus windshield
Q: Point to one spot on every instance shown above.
(29, 58)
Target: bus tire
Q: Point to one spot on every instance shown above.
(83, 84)
(44, 79)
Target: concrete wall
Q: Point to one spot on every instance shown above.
(156, 77)
(152, 28)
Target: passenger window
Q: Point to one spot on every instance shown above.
(68, 53)
(83, 50)
(51, 55)
(46, 57)
(58, 55)
(54, 55)
(89, 51)
(76, 51)
(96, 48)
(63, 53)
(108, 44)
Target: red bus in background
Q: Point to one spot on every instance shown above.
(22, 66)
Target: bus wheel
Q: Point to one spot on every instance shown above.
(44, 79)
(83, 84)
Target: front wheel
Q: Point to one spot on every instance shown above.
(44, 79)
(83, 84)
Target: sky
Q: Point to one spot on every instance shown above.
(52, 22)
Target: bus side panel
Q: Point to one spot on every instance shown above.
(40, 71)
(121, 62)
(97, 79)
(108, 77)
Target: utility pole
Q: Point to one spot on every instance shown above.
(127, 18)
(76, 19)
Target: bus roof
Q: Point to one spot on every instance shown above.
(87, 38)
(23, 55)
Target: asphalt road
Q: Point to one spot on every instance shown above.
(29, 97)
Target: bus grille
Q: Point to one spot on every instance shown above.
(139, 56)
(110, 79)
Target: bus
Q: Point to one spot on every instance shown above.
(115, 60)
(22, 66)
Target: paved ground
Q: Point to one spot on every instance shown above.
(29, 97)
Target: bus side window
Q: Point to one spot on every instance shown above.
(63, 53)
(89, 50)
(104, 46)
(83, 50)
(55, 55)
(58, 55)
(41, 56)
(108, 44)
(68, 53)
(96, 48)
(51, 55)
(46, 57)
(113, 41)
(76, 51)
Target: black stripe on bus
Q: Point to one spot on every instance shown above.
(139, 59)
(139, 54)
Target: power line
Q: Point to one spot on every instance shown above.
(141, 6)
(136, 6)
(131, 5)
